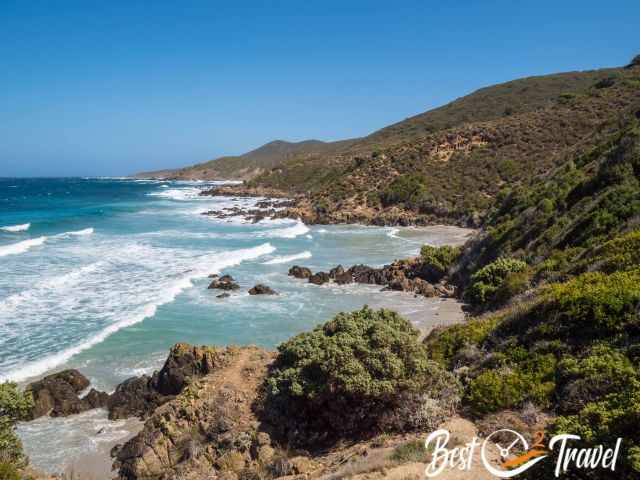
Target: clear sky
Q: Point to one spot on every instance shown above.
(115, 87)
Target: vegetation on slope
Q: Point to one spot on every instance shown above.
(452, 163)
(565, 336)
(361, 373)
(14, 406)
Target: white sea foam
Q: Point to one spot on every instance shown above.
(21, 247)
(288, 258)
(79, 233)
(131, 290)
(181, 194)
(393, 232)
(294, 231)
(16, 228)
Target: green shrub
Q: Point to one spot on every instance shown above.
(495, 390)
(408, 189)
(413, 451)
(621, 253)
(591, 377)
(8, 471)
(348, 377)
(438, 260)
(594, 305)
(443, 344)
(603, 422)
(488, 280)
(514, 284)
(14, 406)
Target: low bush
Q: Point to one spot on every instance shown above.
(530, 380)
(14, 406)
(621, 253)
(443, 344)
(408, 189)
(603, 422)
(356, 375)
(412, 451)
(593, 305)
(586, 379)
(438, 260)
(486, 282)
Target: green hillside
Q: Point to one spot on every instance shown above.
(555, 282)
(450, 164)
(252, 163)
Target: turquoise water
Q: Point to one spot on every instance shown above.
(105, 275)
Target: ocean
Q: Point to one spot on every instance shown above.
(105, 274)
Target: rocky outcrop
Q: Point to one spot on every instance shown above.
(334, 272)
(404, 275)
(214, 429)
(319, 278)
(299, 272)
(210, 430)
(343, 278)
(140, 396)
(261, 289)
(225, 282)
(135, 397)
(58, 395)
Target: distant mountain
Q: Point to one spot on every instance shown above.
(250, 164)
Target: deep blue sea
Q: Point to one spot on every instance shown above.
(104, 275)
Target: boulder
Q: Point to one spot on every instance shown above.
(225, 282)
(140, 396)
(299, 272)
(319, 278)
(57, 394)
(365, 274)
(344, 278)
(223, 295)
(422, 287)
(96, 399)
(334, 272)
(184, 361)
(261, 289)
(135, 397)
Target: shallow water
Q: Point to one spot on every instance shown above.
(105, 275)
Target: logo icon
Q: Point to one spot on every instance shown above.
(510, 467)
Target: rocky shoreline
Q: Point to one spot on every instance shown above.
(411, 275)
(298, 206)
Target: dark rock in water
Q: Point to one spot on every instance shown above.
(57, 394)
(334, 272)
(223, 295)
(344, 278)
(319, 278)
(225, 282)
(365, 274)
(262, 290)
(423, 287)
(96, 399)
(135, 397)
(213, 275)
(142, 395)
(299, 272)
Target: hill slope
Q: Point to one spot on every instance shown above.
(449, 164)
(249, 164)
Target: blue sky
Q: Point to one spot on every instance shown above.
(111, 88)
